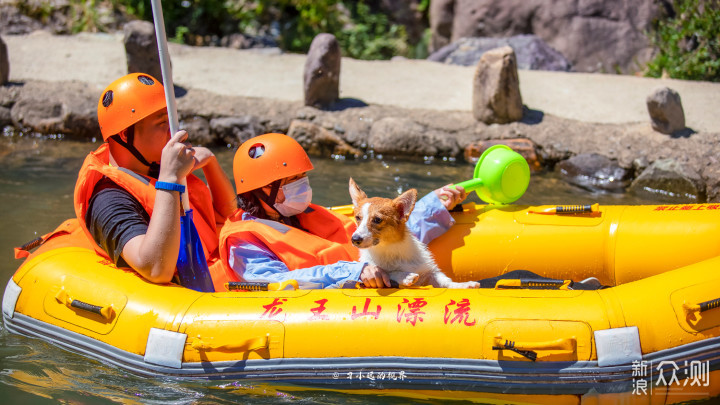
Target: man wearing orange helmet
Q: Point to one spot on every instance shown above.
(127, 197)
(277, 234)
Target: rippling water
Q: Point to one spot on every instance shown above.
(37, 177)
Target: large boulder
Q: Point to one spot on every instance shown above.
(666, 110)
(532, 52)
(141, 48)
(496, 88)
(4, 63)
(68, 108)
(321, 77)
(320, 141)
(234, 130)
(595, 35)
(442, 14)
(403, 136)
(671, 181)
(594, 172)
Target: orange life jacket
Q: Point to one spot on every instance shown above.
(97, 166)
(326, 241)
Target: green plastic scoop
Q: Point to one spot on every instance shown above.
(501, 176)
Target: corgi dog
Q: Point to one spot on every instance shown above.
(385, 241)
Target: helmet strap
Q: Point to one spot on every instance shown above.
(153, 167)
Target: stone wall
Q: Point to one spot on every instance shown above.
(595, 35)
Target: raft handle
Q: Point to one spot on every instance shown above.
(64, 298)
(533, 284)
(701, 307)
(528, 349)
(260, 286)
(569, 209)
(262, 342)
(510, 345)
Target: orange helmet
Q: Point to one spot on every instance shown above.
(128, 100)
(263, 159)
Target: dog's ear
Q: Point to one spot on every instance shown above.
(405, 203)
(355, 193)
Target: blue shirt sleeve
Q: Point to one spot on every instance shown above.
(255, 262)
(429, 219)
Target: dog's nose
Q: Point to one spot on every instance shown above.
(356, 240)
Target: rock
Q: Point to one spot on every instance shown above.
(711, 176)
(408, 14)
(402, 136)
(496, 88)
(321, 78)
(532, 52)
(5, 117)
(671, 181)
(594, 172)
(4, 63)
(319, 141)
(198, 129)
(244, 41)
(57, 108)
(441, 23)
(234, 130)
(524, 147)
(666, 110)
(595, 35)
(141, 49)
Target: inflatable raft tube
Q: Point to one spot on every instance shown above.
(513, 345)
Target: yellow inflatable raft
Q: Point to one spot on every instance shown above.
(652, 336)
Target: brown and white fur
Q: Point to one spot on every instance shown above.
(385, 241)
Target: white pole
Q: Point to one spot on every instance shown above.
(166, 70)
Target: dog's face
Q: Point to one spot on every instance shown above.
(380, 220)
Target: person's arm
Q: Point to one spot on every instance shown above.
(431, 216)
(154, 254)
(223, 194)
(254, 262)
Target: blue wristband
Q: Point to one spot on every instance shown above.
(164, 185)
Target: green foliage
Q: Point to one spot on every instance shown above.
(689, 44)
(361, 29)
(371, 36)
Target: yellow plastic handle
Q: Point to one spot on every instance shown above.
(262, 342)
(261, 286)
(520, 283)
(567, 344)
(66, 299)
(690, 309)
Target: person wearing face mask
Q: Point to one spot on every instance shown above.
(278, 234)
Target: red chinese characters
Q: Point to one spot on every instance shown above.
(318, 311)
(458, 312)
(411, 310)
(273, 309)
(366, 311)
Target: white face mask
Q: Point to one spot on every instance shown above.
(298, 195)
